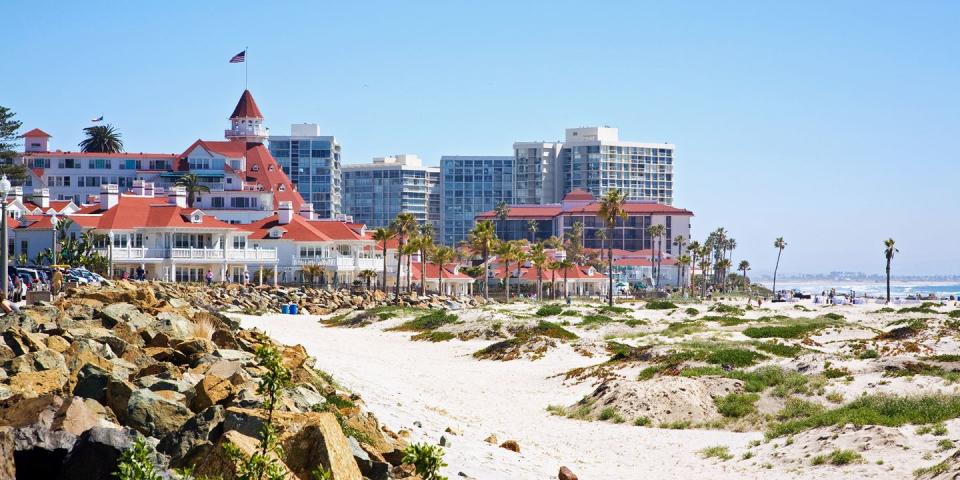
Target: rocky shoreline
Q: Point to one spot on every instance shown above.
(85, 376)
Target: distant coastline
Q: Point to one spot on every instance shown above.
(870, 287)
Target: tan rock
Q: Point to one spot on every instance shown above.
(211, 391)
(8, 470)
(57, 343)
(511, 445)
(35, 384)
(566, 474)
(78, 415)
(492, 439)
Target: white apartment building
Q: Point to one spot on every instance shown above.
(374, 193)
(312, 162)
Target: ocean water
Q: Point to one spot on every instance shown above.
(873, 289)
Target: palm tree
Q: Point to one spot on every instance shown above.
(723, 265)
(506, 251)
(102, 139)
(704, 265)
(694, 248)
(367, 275)
(312, 271)
(539, 259)
(779, 244)
(888, 252)
(441, 255)
(408, 250)
(679, 242)
(743, 267)
(656, 233)
(565, 264)
(424, 245)
(191, 183)
(502, 210)
(483, 239)
(404, 225)
(383, 235)
(532, 228)
(682, 263)
(611, 210)
(520, 256)
(574, 241)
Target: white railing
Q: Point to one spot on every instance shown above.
(341, 263)
(144, 253)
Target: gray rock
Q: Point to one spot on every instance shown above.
(97, 453)
(174, 325)
(39, 451)
(195, 436)
(155, 415)
(233, 355)
(40, 360)
(92, 383)
(113, 314)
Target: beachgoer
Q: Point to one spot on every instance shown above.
(209, 277)
(125, 275)
(141, 273)
(246, 276)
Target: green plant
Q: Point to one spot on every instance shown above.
(925, 307)
(736, 405)
(607, 413)
(727, 309)
(434, 336)
(795, 330)
(933, 470)
(885, 410)
(937, 429)
(136, 463)
(660, 305)
(945, 444)
(427, 460)
(737, 357)
(779, 349)
(692, 311)
(549, 310)
(641, 421)
(679, 329)
(321, 473)
(954, 313)
(590, 320)
(717, 451)
(265, 463)
(431, 321)
(795, 408)
(838, 457)
(612, 309)
(868, 354)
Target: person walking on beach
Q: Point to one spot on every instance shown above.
(209, 277)
(246, 277)
(141, 273)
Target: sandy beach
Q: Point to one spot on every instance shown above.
(429, 388)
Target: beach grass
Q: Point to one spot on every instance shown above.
(885, 410)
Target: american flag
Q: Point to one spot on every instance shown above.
(239, 58)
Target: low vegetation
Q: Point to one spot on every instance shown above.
(838, 457)
(430, 321)
(737, 405)
(718, 451)
(549, 310)
(660, 305)
(885, 410)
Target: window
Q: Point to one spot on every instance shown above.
(282, 188)
(239, 242)
(255, 168)
(216, 202)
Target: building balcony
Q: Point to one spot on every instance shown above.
(343, 263)
(190, 255)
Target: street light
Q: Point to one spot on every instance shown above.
(53, 226)
(4, 190)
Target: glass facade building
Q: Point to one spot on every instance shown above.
(471, 185)
(312, 162)
(375, 193)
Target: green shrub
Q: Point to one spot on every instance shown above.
(886, 310)
(427, 460)
(430, 321)
(434, 336)
(694, 312)
(679, 329)
(885, 410)
(943, 357)
(925, 307)
(737, 357)
(591, 320)
(136, 463)
(641, 421)
(553, 330)
(933, 470)
(937, 429)
(718, 451)
(796, 408)
(660, 305)
(757, 380)
(549, 310)
(954, 313)
(838, 457)
(945, 444)
(737, 405)
(796, 330)
(779, 349)
(727, 309)
(724, 320)
(612, 309)
(833, 316)
(622, 351)
(868, 354)
(607, 413)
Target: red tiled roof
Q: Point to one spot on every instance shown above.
(35, 133)
(133, 212)
(246, 107)
(526, 211)
(336, 230)
(227, 148)
(270, 176)
(434, 271)
(139, 155)
(636, 208)
(578, 194)
(299, 229)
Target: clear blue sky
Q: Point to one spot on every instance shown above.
(833, 124)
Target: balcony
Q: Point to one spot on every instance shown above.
(342, 263)
(259, 255)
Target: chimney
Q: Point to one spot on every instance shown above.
(109, 196)
(177, 196)
(139, 188)
(17, 194)
(285, 213)
(41, 197)
(306, 210)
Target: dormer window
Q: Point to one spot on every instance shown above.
(282, 188)
(197, 217)
(276, 232)
(255, 168)
(269, 168)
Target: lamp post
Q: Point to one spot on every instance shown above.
(4, 190)
(53, 226)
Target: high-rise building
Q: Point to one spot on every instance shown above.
(471, 185)
(374, 193)
(593, 159)
(312, 161)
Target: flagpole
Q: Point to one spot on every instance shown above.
(246, 67)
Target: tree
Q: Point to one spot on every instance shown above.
(9, 127)
(682, 263)
(532, 227)
(704, 265)
(368, 275)
(442, 255)
(694, 248)
(482, 239)
(779, 244)
(679, 242)
(102, 139)
(404, 225)
(574, 242)
(424, 245)
(611, 210)
(889, 250)
(311, 272)
(565, 265)
(191, 183)
(743, 267)
(538, 257)
(503, 211)
(383, 235)
(723, 265)
(656, 233)
(506, 252)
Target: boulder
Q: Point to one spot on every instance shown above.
(57, 343)
(195, 346)
(21, 342)
(92, 382)
(219, 465)
(35, 384)
(39, 450)
(174, 325)
(116, 313)
(96, 454)
(8, 468)
(153, 414)
(511, 445)
(39, 360)
(211, 391)
(194, 438)
(308, 439)
(77, 415)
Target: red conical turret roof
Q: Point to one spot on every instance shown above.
(246, 107)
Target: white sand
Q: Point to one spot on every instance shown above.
(441, 385)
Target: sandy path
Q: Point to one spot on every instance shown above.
(440, 385)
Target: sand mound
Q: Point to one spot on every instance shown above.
(663, 399)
